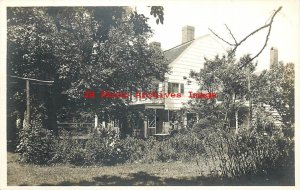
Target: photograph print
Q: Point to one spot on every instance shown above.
(182, 94)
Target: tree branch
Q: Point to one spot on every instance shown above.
(231, 34)
(237, 44)
(220, 37)
(267, 38)
(264, 46)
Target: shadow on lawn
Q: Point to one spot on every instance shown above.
(143, 179)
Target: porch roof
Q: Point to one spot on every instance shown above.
(148, 106)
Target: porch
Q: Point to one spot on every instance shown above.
(155, 122)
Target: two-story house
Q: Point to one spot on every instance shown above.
(181, 59)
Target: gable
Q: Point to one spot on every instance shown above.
(203, 47)
(186, 58)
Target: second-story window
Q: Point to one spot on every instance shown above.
(175, 87)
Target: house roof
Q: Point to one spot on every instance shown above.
(173, 53)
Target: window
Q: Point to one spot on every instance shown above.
(182, 88)
(173, 87)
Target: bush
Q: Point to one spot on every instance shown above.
(134, 149)
(104, 147)
(35, 145)
(250, 153)
(68, 150)
(187, 145)
(182, 146)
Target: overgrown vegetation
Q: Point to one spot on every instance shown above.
(249, 154)
(114, 48)
(104, 147)
(35, 145)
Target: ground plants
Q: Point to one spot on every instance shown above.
(35, 145)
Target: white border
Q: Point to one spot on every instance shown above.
(11, 3)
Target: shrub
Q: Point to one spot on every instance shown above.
(104, 147)
(134, 149)
(182, 146)
(187, 145)
(35, 145)
(68, 150)
(139, 150)
(250, 153)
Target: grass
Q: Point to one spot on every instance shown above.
(175, 173)
(125, 174)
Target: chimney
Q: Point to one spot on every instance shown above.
(273, 57)
(155, 44)
(188, 33)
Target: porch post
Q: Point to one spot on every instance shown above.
(155, 121)
(236, 122)
(96, 120)
(185, 119)
(145, 127)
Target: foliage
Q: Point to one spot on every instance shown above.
(104, 147)
(158, 11)
(263, 148)
(68, 150)
(35, 145)
(134, 148)
(223, 76)
(183, 147)
(276, 88)
(250, 153)
(188, 146)
(207, 122)
(80, 48)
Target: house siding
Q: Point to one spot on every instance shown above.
(192, 59)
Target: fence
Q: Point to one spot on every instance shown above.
(83, 130)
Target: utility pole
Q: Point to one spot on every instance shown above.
(34, 81)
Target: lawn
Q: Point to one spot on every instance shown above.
(126, 174)
(175, 173)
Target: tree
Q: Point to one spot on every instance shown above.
(278, 90)
(30, 54)
(234, 76)
(223, 76)
(80, 48)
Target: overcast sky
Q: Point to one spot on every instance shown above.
(242, 17)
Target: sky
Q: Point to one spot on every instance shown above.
(242, 17)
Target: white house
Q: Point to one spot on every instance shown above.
(182, 59)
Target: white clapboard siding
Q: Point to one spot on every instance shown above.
(191, 59)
